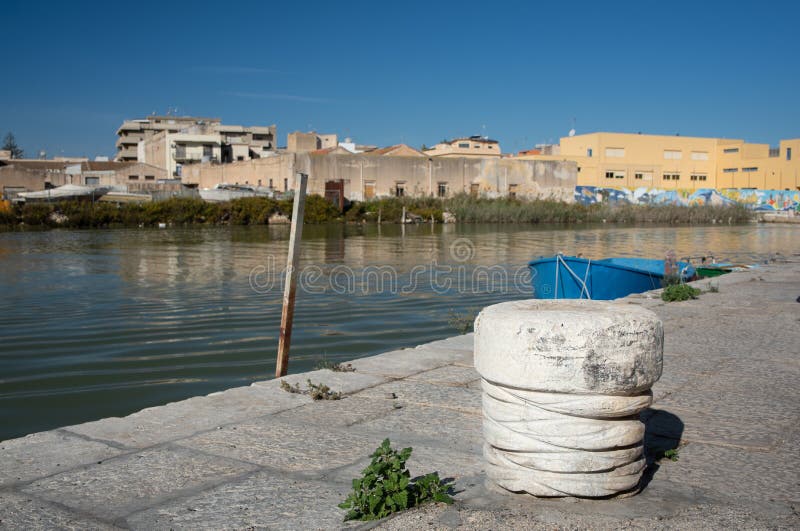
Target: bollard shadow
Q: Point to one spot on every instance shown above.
(662, 437)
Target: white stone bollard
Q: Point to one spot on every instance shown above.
(563, 384)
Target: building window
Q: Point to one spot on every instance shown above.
(615, 152)
(788, 153)
(400, 189)
(697, 177)
(464, 145)
(672, 177)
(208, 151)
(589, 152)
(240, 158)
(477, 146)
(441, 190)
(730, 150)
(774, 152)
(133, 177)
(149, 177)
(286, 185)
(616, 174)
(643, 176)
(512, 191)
(609, 175)
(270, 183)
(730, 170)
(490, 147)
(699, 155)
(749, 170)
(92, 181)
(673, 154)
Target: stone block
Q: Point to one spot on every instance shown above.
(121, 485)
(48, 452)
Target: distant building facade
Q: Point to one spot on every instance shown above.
(235, 142)
(27, 175)
(395, 171)
(678, 162)
(469, 147)
(298, 142)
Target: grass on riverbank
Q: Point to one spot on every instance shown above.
(257, 211)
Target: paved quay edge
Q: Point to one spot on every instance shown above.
(727, 403)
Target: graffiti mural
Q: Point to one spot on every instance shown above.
(759, 200)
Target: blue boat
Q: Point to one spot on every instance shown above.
(571, 277)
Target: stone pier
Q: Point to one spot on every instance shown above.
(726, 409)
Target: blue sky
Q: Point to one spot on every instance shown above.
(390, 72)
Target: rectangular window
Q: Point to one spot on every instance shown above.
(699, 155)
(730, 170)
(477, 146)
(616, 174)
(609, 175)
(133, 177)
(615, 152)
(400, 189)
(749, 170)
(92, 181)
(788, 153)
(671, 177)
(512, 191)
(286, 185)
(149, 177)
(643, 176)
(589, 152)
(698, 177)
(208, 151)
(441, 190)
(270, 183)
(463, 145)
(730, 150)
(672, 154)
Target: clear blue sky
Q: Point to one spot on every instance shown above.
(390, 72)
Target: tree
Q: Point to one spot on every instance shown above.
(10, 144)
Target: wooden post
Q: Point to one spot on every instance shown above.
(289, 290)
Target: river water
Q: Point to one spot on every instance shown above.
(104, 323)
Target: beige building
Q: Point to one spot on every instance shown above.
(25, 175)
(395, 172)
(298, 142)
(470, 147)
(172, 151)
(616, 160)
(236, 142)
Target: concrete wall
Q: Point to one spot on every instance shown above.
(383, 175)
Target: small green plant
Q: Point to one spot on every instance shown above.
(334, 366)
(315, 391)
(462, 321)
(672, 454)
(679, 292)
(386, 487)
(322, 392)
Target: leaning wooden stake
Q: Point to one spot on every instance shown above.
(287, 315)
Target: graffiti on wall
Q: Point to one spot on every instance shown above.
(760, 200)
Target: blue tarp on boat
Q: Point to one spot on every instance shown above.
(570, 277)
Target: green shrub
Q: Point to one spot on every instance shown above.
(679, 292)
(319, 210)
(386, 487)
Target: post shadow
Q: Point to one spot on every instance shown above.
(662, 432)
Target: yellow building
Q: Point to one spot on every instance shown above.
(616, 160)
(470, 147)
